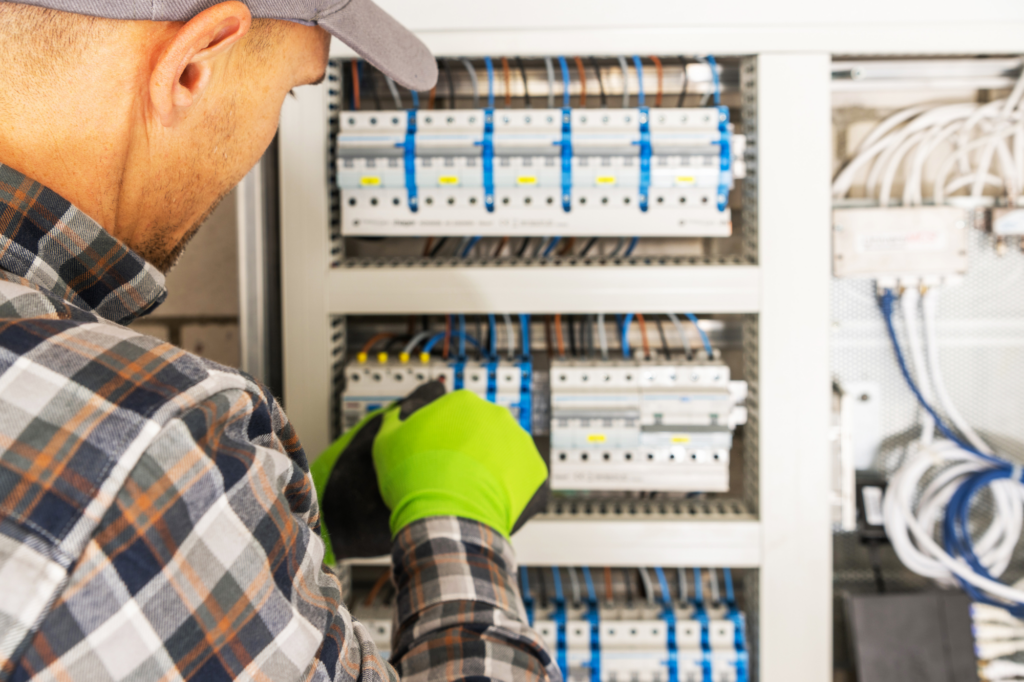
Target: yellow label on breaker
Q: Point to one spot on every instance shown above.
(605, 180)
(596, 438)
(685, 179)
(369, 180)
(526, 180)
(448, 180)
(680, 439)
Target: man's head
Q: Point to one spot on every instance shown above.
(146, 125)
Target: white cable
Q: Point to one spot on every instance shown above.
(551, 82)
(510, 336)
(682, 333)
(574, 586)
(716, 597)
(908, 301)
(409, 347)
(625, 81)
(990, 650)
(684, 592)
(394, 92)
(1002, 670)
(986, 613)
(602, 336)
(648, 586)
(908, 138)
(930, 307)
(472, 77)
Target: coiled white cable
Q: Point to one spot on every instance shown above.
(912, 515)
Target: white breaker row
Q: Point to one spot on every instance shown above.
(705, 643)
(538, 172)
(643, 425)
(615, 425)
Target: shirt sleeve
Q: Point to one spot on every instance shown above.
(208, 566)
(460, 615)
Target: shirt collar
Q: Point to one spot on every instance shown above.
(45, 240)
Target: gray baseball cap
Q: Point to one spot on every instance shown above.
(360, 24)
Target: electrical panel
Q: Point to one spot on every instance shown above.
(485, 172)
(643, 425)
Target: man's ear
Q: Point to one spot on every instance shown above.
(182, 72)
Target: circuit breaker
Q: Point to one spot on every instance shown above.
(643, 425)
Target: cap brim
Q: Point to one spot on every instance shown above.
(383, 42)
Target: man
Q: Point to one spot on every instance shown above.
(157, 516)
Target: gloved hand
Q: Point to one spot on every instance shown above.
(428, 455)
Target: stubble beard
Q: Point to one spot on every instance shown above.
(164, 255)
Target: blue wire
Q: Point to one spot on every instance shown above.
(714, 79)
(632, 245)
(492, 332)
(524, 326)
(730, 596)
(469, 246)
(703, 336)
(698, 588)
(625, 334)
(666, 596)
(524, 581)
(440, 335)
(559, 597)
(638, 65)
(565, 81)
(462, 337)
(887, 301)
(415, 99)
(591, 593)
(551, 245)
(490, 82)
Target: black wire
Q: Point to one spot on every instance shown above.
(572, 335)
(543, 588)
(588, 246)
(876, 565)
(437, 247)
(425, 321)
(629, 587)
(600, 82)
(590, 335)
(664, 341)
(480, 335)
(451, 83)
(686, 83)
(526, 87)
(371, 80)
(522, 249)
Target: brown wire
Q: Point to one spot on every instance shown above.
(609, 593)
(377, 587)
(547, 334)
(558, 336)
(643, 335)
(567, 245)
(426, 247)
(375, 338)
(657, 65)
(355, 85)
(447, 336)
(583, 81)
(431, 97)
(501, 245)
(508, 81)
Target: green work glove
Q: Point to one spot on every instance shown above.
(429, 455)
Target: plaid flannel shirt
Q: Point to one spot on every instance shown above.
(157, 516)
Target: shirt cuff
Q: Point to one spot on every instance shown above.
(447, 558)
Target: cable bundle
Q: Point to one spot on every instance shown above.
(971, 135)
(938, 483)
